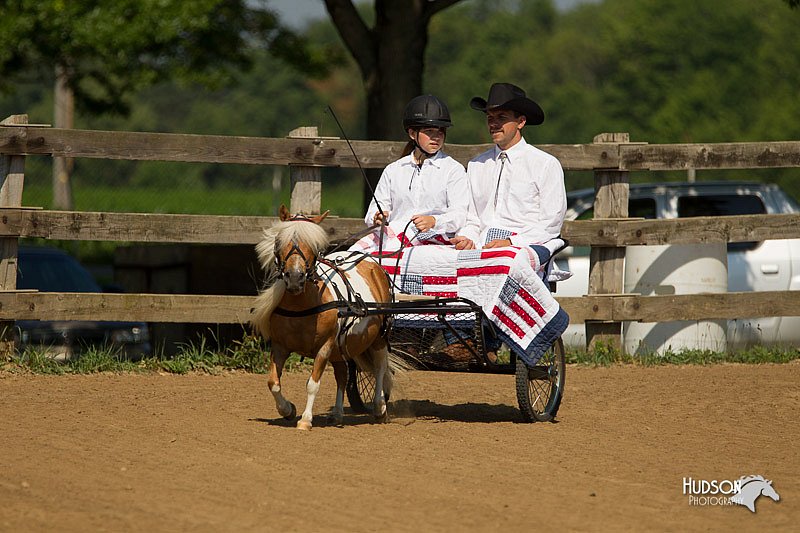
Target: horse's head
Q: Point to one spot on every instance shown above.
(296, 243)
(770, 492)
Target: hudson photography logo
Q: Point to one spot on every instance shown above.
(743, 491)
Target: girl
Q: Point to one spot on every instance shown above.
(425, 186)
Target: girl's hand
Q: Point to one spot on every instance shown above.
(423, 222)
(380, 218)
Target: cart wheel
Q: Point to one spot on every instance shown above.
(539, 389)
(360, 388)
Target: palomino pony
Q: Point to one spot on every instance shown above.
(299, 312)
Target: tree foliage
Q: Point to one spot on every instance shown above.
(390, 54)
(111, 49)
(663, 70)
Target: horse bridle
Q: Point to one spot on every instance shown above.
(310, 270)
(280, 263)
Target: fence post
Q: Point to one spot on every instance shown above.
(12, 174)
(306, 182)
(606, 263)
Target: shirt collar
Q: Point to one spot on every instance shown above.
(436, 160)
(513, 151)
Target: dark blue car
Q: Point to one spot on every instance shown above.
(52, 270)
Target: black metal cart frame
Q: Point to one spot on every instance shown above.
(450, 334)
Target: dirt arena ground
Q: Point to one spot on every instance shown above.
(210, 453)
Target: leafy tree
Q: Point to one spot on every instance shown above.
(470, 50)
(101, 52)
(108, 50)
(390, 56)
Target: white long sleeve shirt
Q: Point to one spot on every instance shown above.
(438, 187)
(527, 199)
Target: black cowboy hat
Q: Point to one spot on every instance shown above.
(508, 96)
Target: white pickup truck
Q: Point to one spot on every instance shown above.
(772, 265)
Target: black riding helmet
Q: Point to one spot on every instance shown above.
(426, 110)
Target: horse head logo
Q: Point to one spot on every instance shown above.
(751, 488)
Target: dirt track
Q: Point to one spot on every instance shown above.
(210, 453)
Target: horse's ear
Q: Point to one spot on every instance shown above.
(319, 218)
(284, 214)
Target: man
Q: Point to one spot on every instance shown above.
(518, 194)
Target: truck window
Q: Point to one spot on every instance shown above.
(723, 205)
(637, 208)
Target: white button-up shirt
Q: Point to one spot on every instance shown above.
(438, 187)
(527, 199)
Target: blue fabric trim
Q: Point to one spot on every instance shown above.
(509, 290)
(497, 233)
(543, 341)
(546, 338)
(411, 283)
(542, 252)
(432, 323)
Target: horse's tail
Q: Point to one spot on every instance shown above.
(399, 365)
(266, 302)
(396, 365)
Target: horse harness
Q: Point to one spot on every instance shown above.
(349, 304)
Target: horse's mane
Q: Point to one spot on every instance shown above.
(266, 302)
(745, 480)
(282, 232)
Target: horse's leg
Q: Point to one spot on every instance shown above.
(312, 385)
(340, 373)
(380, 357)
(388, 382)
(279, 355)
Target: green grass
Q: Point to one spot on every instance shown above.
(604, 355)
(248, 354)
(251, 355)
(343, 199)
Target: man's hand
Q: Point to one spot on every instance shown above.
(380, 217)
(423, 222)
(498, 243)
(462, 243)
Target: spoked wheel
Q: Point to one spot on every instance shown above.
(360, 388)
(539, 389)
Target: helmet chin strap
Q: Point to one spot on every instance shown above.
(418, 147)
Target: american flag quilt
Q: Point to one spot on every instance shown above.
(503, 281)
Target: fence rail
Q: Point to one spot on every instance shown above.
(611, 156)
(145, 227)
(218, 309)
(214, 309)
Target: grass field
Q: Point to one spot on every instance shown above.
(249, 355)
(343, 199)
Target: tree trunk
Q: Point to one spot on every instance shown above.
(63, 112)
(397, 76)
(391, 57)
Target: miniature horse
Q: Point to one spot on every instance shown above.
(299, 313)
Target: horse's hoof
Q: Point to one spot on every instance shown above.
(383, 417)
(292, 413)
(304, 425)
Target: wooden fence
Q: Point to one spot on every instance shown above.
(610, 156)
